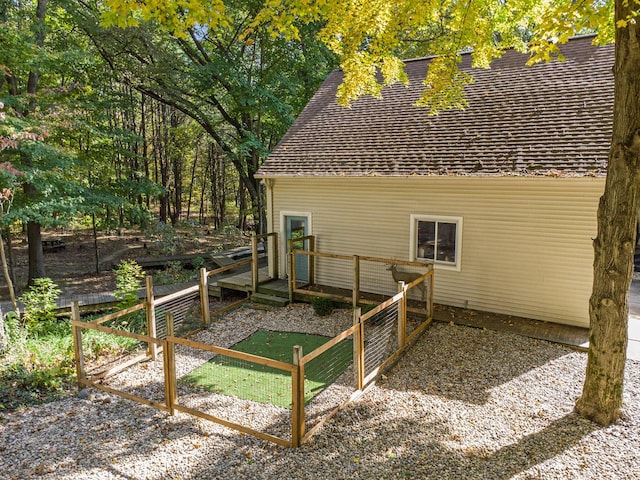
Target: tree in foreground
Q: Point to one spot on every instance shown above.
(372, 37)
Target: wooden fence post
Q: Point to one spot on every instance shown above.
(292, 271)
(204, 296)
(77, 343)
(358, 352)
(297, 400)
(356, 280)
(255, 271)
(169, 358)
(151, 318)
(402, 314)
(274, 251)
(430, 307)
(312, 260)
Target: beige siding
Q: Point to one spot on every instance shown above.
(526, 242)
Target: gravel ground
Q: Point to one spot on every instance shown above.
(463, 403)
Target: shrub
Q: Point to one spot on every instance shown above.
(322, 306)
(38, 369)
(129, 277)
(39, 307)
(25, 384)
(97, 344)
(367, 308)
(168, 241)
(173, 273)
(35, 368)
(16, 333)
(197, 263)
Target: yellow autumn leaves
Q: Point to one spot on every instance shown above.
(372, 36)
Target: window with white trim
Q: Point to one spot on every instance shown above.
(436, 239)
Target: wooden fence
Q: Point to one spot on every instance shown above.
(354, 279)
(377, 338)
(146, 324)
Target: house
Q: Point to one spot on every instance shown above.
(501, 196)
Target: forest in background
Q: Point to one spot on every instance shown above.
(108, 128)
(111, 131)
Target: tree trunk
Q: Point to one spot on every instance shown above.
(241, 203)
(4, 342)
(145, 145)
(36, 256)
(7, 277)
(163, 157)
(96, 251)
(614, 245)
(175, 159)
(203, 208)
(193, 180)
(9, 237)
(217, 168)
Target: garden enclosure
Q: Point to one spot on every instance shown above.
(290, 397)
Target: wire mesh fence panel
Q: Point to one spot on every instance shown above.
(334, 274)
(376, 281)
(380, 338)
(329, 380)
(419, 311)
(103, 351)
(186, 311)
(106, 340)
(134, 321)
(143, 379)
(115, 359)
(236, 390)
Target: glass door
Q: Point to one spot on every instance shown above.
(298, 227)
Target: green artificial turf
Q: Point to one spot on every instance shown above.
(263, 384)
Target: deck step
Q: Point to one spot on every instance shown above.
(269, 300)
(275, 288)
(214, 290)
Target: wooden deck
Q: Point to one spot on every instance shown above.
(239, 281)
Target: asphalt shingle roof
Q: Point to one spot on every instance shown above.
(548, 119)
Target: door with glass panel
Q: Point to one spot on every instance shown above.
(298, 227)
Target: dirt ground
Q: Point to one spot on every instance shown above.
(73, 268)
